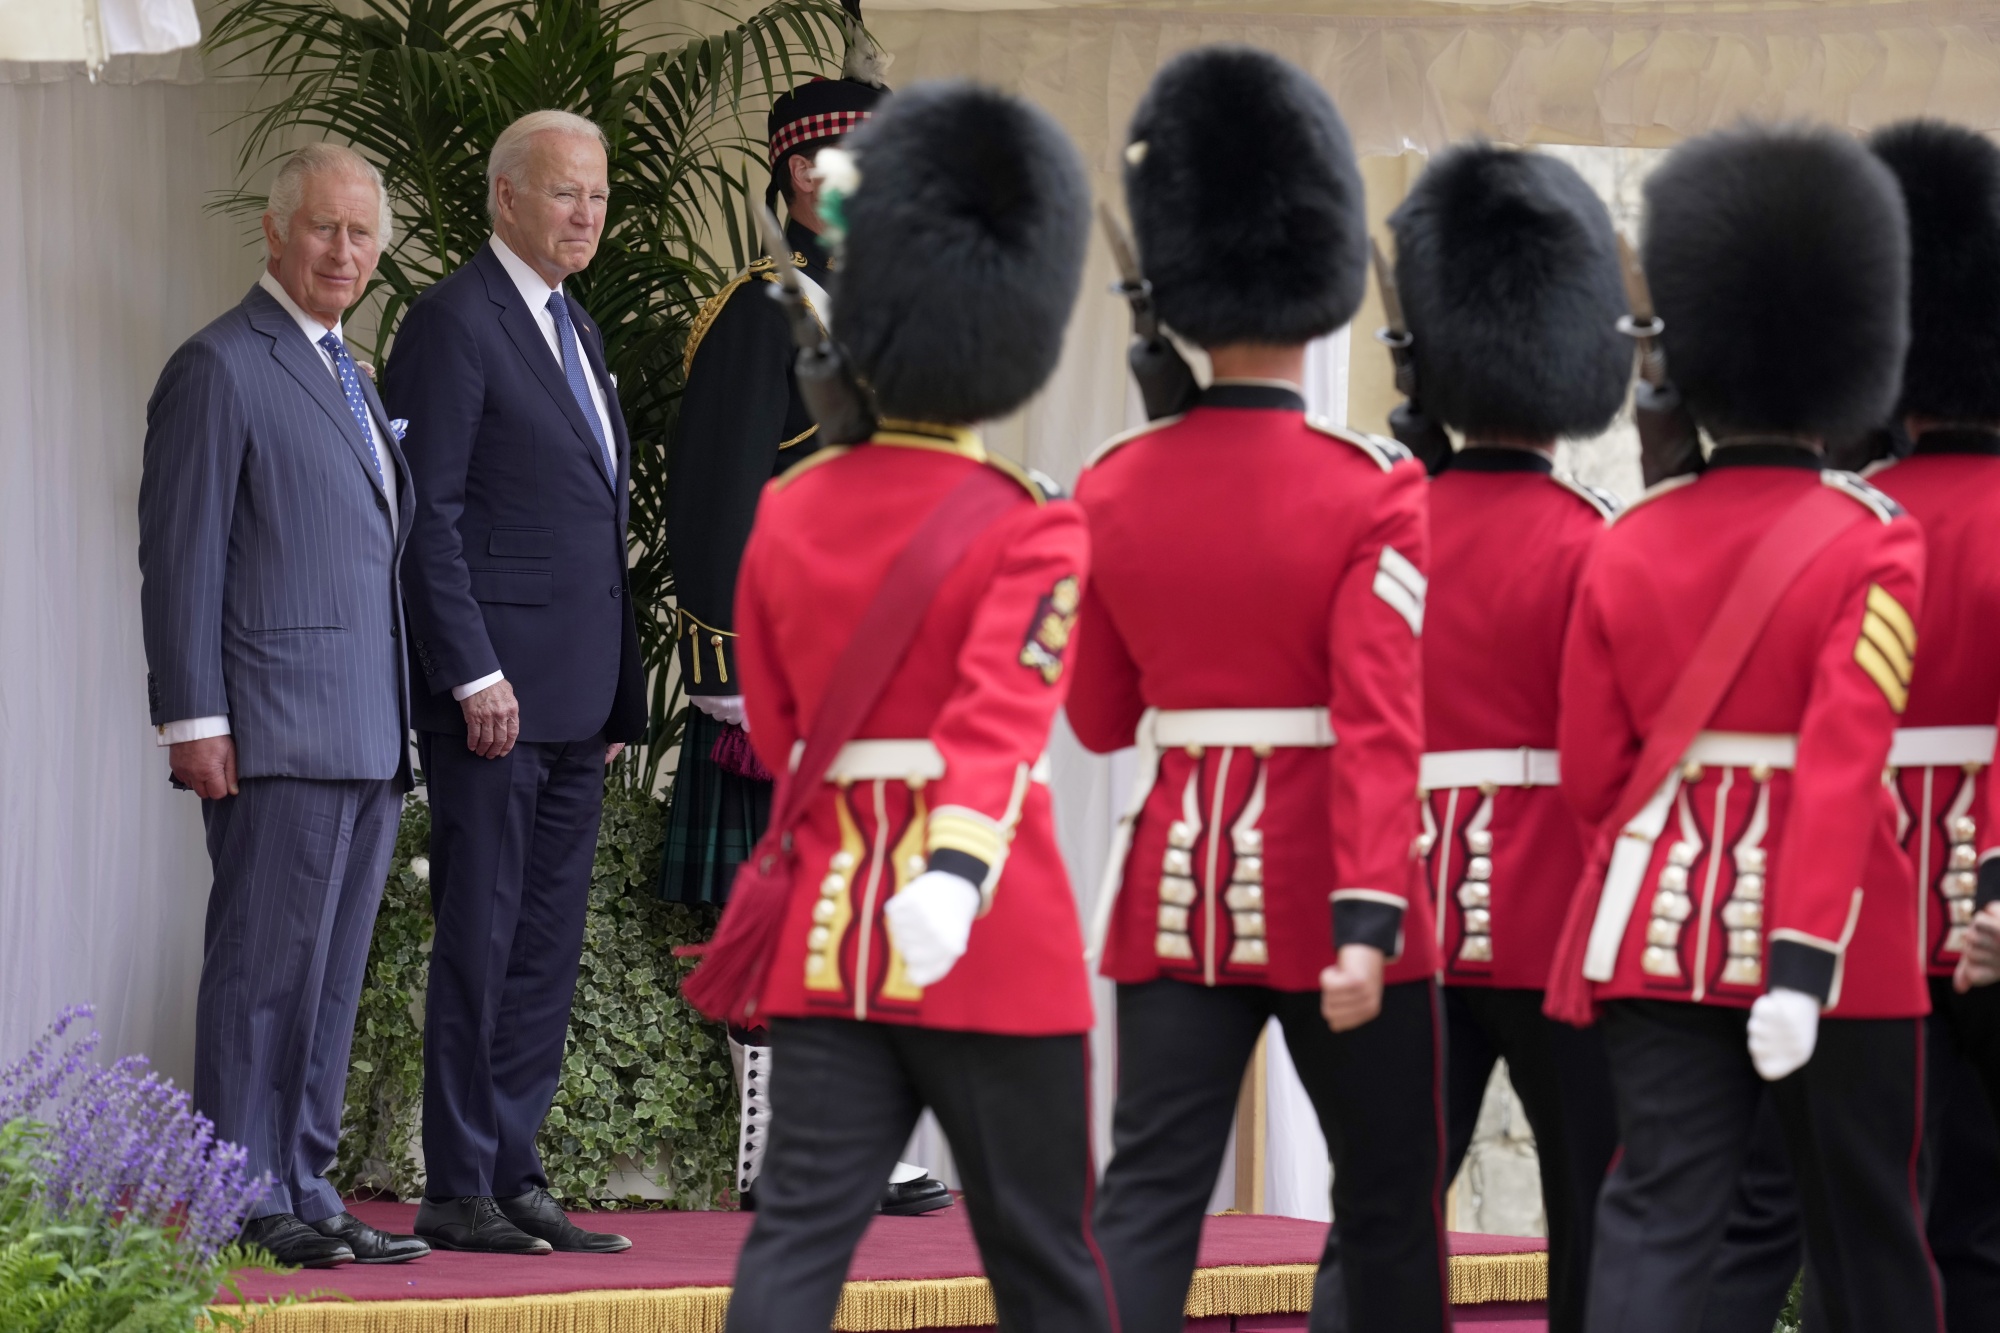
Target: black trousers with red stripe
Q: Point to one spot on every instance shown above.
(1960, 1171)
(1182, 1050)
(1564, 1084)
(845, 1097)
(1688, 1100)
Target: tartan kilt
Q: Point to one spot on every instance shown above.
(714, 818)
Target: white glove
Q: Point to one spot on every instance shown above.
(930, 922)
(1784, 1027)
(722, 707)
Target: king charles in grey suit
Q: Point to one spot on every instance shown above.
(273, 506)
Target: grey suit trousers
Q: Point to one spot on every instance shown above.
(299, 869)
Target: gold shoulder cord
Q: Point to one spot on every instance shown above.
(711, 309)
(715, 638)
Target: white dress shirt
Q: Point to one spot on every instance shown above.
(201, 728)
(535, 295)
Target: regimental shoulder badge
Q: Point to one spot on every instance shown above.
(1384, 452)
(1887, 648)
(1863, 493)
(1603, 501)
(1049, 631)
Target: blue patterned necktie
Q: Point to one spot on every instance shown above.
(350, 389)
(572, 360)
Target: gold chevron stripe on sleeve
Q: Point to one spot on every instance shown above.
(1876, 630)
(1892, 613)
(1870, 659)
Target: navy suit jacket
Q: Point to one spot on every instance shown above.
(267, 562)
(516, 560)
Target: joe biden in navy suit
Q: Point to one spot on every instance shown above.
(272, 505)
(526, 668)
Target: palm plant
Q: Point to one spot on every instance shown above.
(423, 88)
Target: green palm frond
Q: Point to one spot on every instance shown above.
(422, 88)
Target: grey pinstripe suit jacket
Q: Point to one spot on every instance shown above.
(268, 567)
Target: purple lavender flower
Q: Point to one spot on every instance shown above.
(125, 1148)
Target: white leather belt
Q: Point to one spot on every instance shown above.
(1243, 727)
(1742, 749)
(897, 760)
(1161, 729)
(1444, 770)
(1941, 747)
(1633, 851)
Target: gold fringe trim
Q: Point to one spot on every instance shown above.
(865, 1307)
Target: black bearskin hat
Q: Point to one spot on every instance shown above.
(1246, 203)
(1951, 190)
(1509, 274)
(1779, 259)
(964, 248)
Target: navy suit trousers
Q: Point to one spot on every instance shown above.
(299, 867)
(512, 841)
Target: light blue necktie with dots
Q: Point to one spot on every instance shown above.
(350, 388)
(572, 359)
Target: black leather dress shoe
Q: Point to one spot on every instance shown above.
(292, 1243)
(538, 1214)
(475, 1223)
(369, 1245)
(925, 1194)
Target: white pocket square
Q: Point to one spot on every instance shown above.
(401, 427)
(614, 380)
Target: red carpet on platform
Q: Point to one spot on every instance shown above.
(910, 1273)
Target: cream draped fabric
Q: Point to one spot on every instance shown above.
(1418, 77)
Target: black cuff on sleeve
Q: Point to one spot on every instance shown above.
(1989, 883)
(696, 647)
(1798, 966)
(1367, 921)
(963, 864)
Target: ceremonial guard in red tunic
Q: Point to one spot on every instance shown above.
(1739, 657)
(743, 422)
(929, 953)
(1509, 276)
(1940, 761)
(1254, 623)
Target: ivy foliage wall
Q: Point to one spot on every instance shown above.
(646, 1083)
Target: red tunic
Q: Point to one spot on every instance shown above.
(1954, 493)
(981, 683)
(1248, 558)
(1787, 877)
(1508, 544)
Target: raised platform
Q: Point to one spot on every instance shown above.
(911, 1273)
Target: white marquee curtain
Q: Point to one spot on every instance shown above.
(107, 262)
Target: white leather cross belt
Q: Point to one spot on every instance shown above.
(1941, 747)
(894, 760)
(1444, 770)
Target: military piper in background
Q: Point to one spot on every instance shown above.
(925, 950)
(1738, 659)
(1508, 271)
(1943, 751)
(1254, 622)
(742, 423)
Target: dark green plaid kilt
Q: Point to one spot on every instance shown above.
(714, 818)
